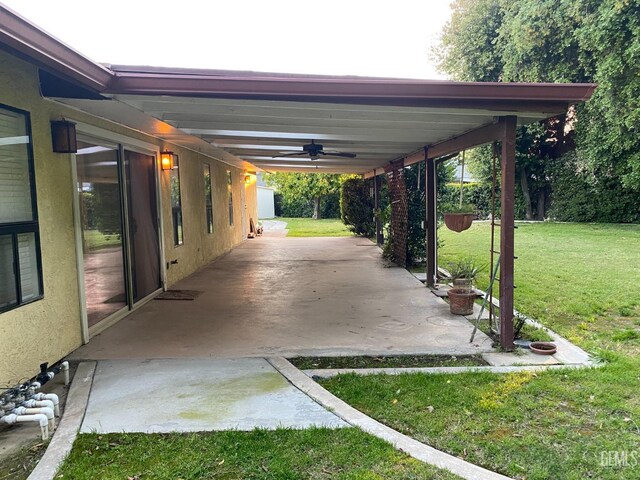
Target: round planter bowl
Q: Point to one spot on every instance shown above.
(458, 222)
(543, 348)
(461, 301)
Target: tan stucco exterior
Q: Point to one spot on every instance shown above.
(48, 329)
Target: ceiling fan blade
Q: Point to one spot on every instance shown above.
(294, 154)
(341, 154)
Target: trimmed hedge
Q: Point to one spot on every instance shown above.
(478, 194)
(356, 207)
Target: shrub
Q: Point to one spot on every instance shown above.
(356, 207)
(579, 195)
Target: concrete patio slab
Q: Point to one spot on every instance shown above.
(289, 297)
(523, 357)
(190, 395)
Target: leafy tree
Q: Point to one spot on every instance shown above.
(559, 41)
(308, 187)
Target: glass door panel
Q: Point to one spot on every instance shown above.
(101, 224)
(143, 223)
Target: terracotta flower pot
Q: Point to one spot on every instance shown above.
(461, 301)
(463, 283)
(458, 222)
(543, 348)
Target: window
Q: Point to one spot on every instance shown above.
(20, 262)
(208, 202)
(176, 204)
(230, 196)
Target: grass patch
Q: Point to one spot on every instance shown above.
(538, 426)
(581, 280)
(96, 240)
(578, 279)
(534, 334)
(346, 453)
(396, 361)
(308, 227)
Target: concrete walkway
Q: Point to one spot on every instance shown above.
(292, 296)
(194, 395)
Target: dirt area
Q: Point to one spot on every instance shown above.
(395, 361)
(21, 446)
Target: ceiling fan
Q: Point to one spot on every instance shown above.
(314, 150)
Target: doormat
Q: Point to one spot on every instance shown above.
(179, 295)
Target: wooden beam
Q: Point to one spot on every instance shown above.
(431, 219)
(472, 138)
(507, 230)
(376, 208)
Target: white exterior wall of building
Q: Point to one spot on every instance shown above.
(266, 207)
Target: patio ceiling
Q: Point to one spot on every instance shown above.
(261, 117)
(259, 131)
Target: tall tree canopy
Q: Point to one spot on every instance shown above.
(559, 41)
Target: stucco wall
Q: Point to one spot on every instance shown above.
(251, 192)
(47, 330)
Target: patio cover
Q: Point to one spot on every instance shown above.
(248, 118)
(251, 119)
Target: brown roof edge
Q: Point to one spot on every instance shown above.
(30, 41)
(164, 81)
(48, 52)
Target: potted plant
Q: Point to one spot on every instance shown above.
(459, 218)
(462, 294)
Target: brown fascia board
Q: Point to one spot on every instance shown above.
(549, 97)
(19, 35)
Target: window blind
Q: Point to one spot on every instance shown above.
(15, 188)
(19, 259)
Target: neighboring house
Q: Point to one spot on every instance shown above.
(468, 178)
(266, 199)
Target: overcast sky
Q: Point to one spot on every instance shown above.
(339, 37)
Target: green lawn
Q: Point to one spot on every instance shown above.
(308, 227)
(96, 240)
(346, 453)
(581, 280)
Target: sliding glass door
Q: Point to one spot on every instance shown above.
(99, 196)
(118, 217)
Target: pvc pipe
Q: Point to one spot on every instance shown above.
(35, 411)
(49, 396)
(65, 369)
(38, 403)
(42, 419)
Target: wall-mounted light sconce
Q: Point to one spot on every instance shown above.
(248, 178)
(63, 136)
(168, 160)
